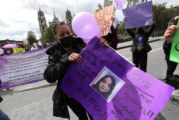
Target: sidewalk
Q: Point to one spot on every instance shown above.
(129, 44)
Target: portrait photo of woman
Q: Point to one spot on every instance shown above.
(107, 84)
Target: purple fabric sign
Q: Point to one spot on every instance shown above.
(139, 15)
(23, 68)
(110, 88)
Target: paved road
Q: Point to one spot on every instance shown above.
(33, 102)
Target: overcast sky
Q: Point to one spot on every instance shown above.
(17, 17)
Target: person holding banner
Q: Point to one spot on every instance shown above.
(65, 51)
(3, 116)
(140, 46)
(171, 66)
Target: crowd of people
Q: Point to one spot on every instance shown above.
(13, 48)
(67, 48)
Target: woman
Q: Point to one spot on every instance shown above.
(171, 66)
(65, 51)
(105, 86)
(140, 46)
(3, 115)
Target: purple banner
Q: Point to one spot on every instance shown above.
(110, 88)
(23, 68)
(139, 15)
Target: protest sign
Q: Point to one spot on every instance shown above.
(111, 88)
(175, 47)
(22, 68)
(18, 50)
(138, 15)
(104, 19)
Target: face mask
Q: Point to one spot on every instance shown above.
(67, 41)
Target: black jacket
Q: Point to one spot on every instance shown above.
(167, 49)
(145, 38)
(1, 99)
(56, 69)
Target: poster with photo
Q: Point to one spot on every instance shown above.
(107, 84)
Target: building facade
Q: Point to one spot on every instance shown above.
(42, 22)
(69, 18)
(54, 21)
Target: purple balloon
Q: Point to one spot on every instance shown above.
(1, 51)
(85, 26)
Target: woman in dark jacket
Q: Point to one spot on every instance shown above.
(3, 116)
(140, 46)
(64, 52)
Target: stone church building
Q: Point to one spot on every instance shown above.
(43, 23)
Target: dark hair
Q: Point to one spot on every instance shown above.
(57, 26)
(21, 46)
(105, 94)
(173, 21)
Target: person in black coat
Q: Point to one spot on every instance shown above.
(3, 116)
(171, 66)
(140, 46)
(65, 51)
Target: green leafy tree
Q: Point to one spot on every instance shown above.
(163, 15)
(31, 38)
(99, 7)
(49, 35)
(120, 29)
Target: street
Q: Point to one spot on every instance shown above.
(34, 101)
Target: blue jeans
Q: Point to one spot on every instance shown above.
(3, 116)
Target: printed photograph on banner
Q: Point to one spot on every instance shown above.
(107, 84)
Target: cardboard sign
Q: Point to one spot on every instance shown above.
(104, 19)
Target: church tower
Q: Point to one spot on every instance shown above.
(68, 18)
(54, 21)
(42, 22)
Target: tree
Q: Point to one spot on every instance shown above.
(120, 29)
(99, 7)
(31, 38)
(49, 35)
(108, 3)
